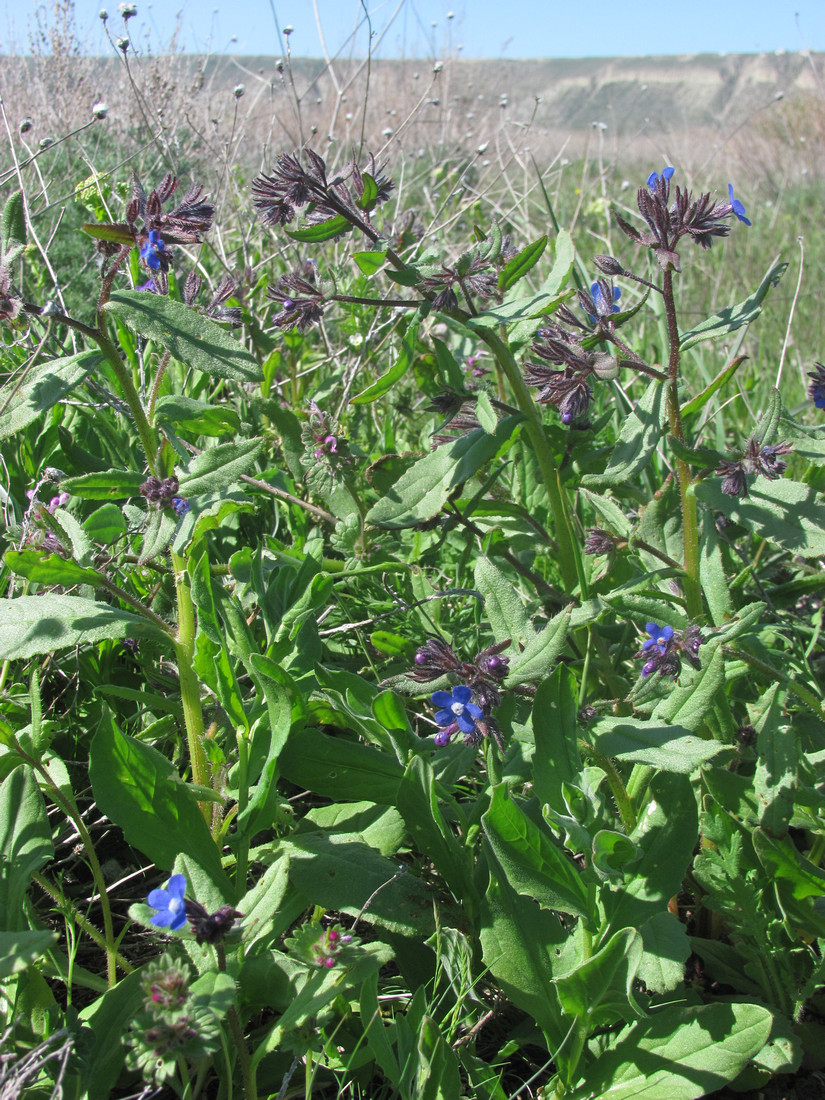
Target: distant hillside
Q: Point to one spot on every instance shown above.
(635, 107)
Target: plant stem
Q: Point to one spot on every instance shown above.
(247, 1069)
(544, 455)
(147, 434)
(617, 787)
(690, 523)
(189, 683)
(73, 815)
(57, 895)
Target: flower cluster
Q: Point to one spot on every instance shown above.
(293, 186)
(319, 946)
(327, 453)
(664, 648)
(468, 707)
(171, 1025)
(755, 460)
(699, 219)
(164, 494)
(174, 909)
(302, 303)
(152, 229)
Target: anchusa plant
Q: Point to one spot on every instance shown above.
(254, 524)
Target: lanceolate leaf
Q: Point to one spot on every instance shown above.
(323, 231)
(681, 1052)
(12, 228)
(787, 513)
(108, 485)
(532, 862)
(191, 338)
(219, 467)
(518, 267)
(423, 490)
(637, 440)
(40, 624)
(403, 361)
(734, 316)
(49, 568)
(41, 387)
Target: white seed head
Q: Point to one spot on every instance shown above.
(100, 109)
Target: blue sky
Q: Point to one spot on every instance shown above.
(482, 28)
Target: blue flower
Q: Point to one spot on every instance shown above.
(456, 708)
(601, 303)
(654, 177)
(816, 390)
(737, 207)
(171, 908)
(181, 505)
(151, 248)
(659, 638)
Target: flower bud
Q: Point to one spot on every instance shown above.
(608, 265)
(238, 90)
(605, 366)
(100, 110)
(26, 125)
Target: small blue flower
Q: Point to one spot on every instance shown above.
(151, 248)
(665, 175)
(600, 301)
(737, 207)
(171, 908)
(816, 390)
(659, 638)
(456, 708)
(181, 505)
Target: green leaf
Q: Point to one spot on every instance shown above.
(777, 762)
(192, 339)
(555, 731)
(370, 192)
(432, 836)
(610, 512)
(666, 950)
(41, 387)
(340, 769)
(369, 262)
(12, 228)
(403, 361)
(666, 835)
(690, 702)
(502, 603)
(712, 572)
(323, 231)
(107, 1020)
(341, 874)
(541, 651)
(19, 949)
(518, 941)
(520, 264)
(120, 234)
(681, 1052)
(140, 791)
(787, 513)
(638, 439)
(485, 412)
(105, 525)
(157, 534)
(517, 309)
(25, 844)
(782, 861)
(669, 747)
(732, 318)
(108, 485)
(200, 417)
(40, 624)
(49, 568)
(423, 490)
(697, 403)
(218, 467)
(600, 990)
(531, 861)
